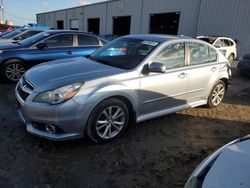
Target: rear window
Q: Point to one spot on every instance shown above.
(199, 53)
(84, 40)
(213, 54)
(208, 40)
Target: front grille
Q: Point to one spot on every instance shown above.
(24, 89)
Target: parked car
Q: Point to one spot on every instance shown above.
(18, 35)
(5, 27)
(133, 78)
(227, 167)
(244, 65)
(36, 26)
(225, 45)
(16, 58)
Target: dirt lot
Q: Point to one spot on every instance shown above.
(158, 153)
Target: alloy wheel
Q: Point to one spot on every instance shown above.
(218, 94)
(110, 122)
(14, 71)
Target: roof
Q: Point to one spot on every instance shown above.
(67, 31)
(102, 2)
(157, 37)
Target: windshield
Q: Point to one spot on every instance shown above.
(12, 34)
(124, 53)
(5, 33)
(34, 39)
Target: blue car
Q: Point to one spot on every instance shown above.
(244, 65)
(17, 57)
(18, 35)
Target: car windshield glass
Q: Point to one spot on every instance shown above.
(124, 53)
(34, 39)
(12, 34)
(5, 33)
(209, 40)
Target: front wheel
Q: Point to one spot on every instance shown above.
(217, 95)
(13, 70)
(108, 120)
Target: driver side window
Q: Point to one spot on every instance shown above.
(172, 56)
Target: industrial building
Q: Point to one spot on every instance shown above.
(183, 17)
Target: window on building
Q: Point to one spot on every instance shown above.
(121, 25)
(165, 23)
(60, 24)
(74, 24)
(94, 25)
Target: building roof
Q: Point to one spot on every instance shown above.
(102, 2)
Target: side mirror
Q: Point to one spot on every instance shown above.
(157, 67)
(42, 46)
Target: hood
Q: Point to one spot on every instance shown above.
(232, 167)
(9, 46)
(2, 40)
(58, 73)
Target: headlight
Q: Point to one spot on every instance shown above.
(58, 95)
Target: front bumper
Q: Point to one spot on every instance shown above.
(69, 117)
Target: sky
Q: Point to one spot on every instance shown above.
(24, 11)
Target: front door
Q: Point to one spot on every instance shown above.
(58, 47)
(165, 91)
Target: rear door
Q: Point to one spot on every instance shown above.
(203, 71)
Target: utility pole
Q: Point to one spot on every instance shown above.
(2, 10)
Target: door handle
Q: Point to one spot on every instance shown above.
(182, 75)
(69, 52)
(213, 69)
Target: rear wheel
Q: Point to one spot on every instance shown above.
(108, 120)
(13, 70)
(217, 94)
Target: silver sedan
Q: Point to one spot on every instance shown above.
(131, 79)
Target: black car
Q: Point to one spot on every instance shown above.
(244, 65)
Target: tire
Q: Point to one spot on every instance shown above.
(217, 95)
(101, 127)
(231, 59)
(12, 70)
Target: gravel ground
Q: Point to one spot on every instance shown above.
(159, 153)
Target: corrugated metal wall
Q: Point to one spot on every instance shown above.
(226, 17)
(198, 17)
